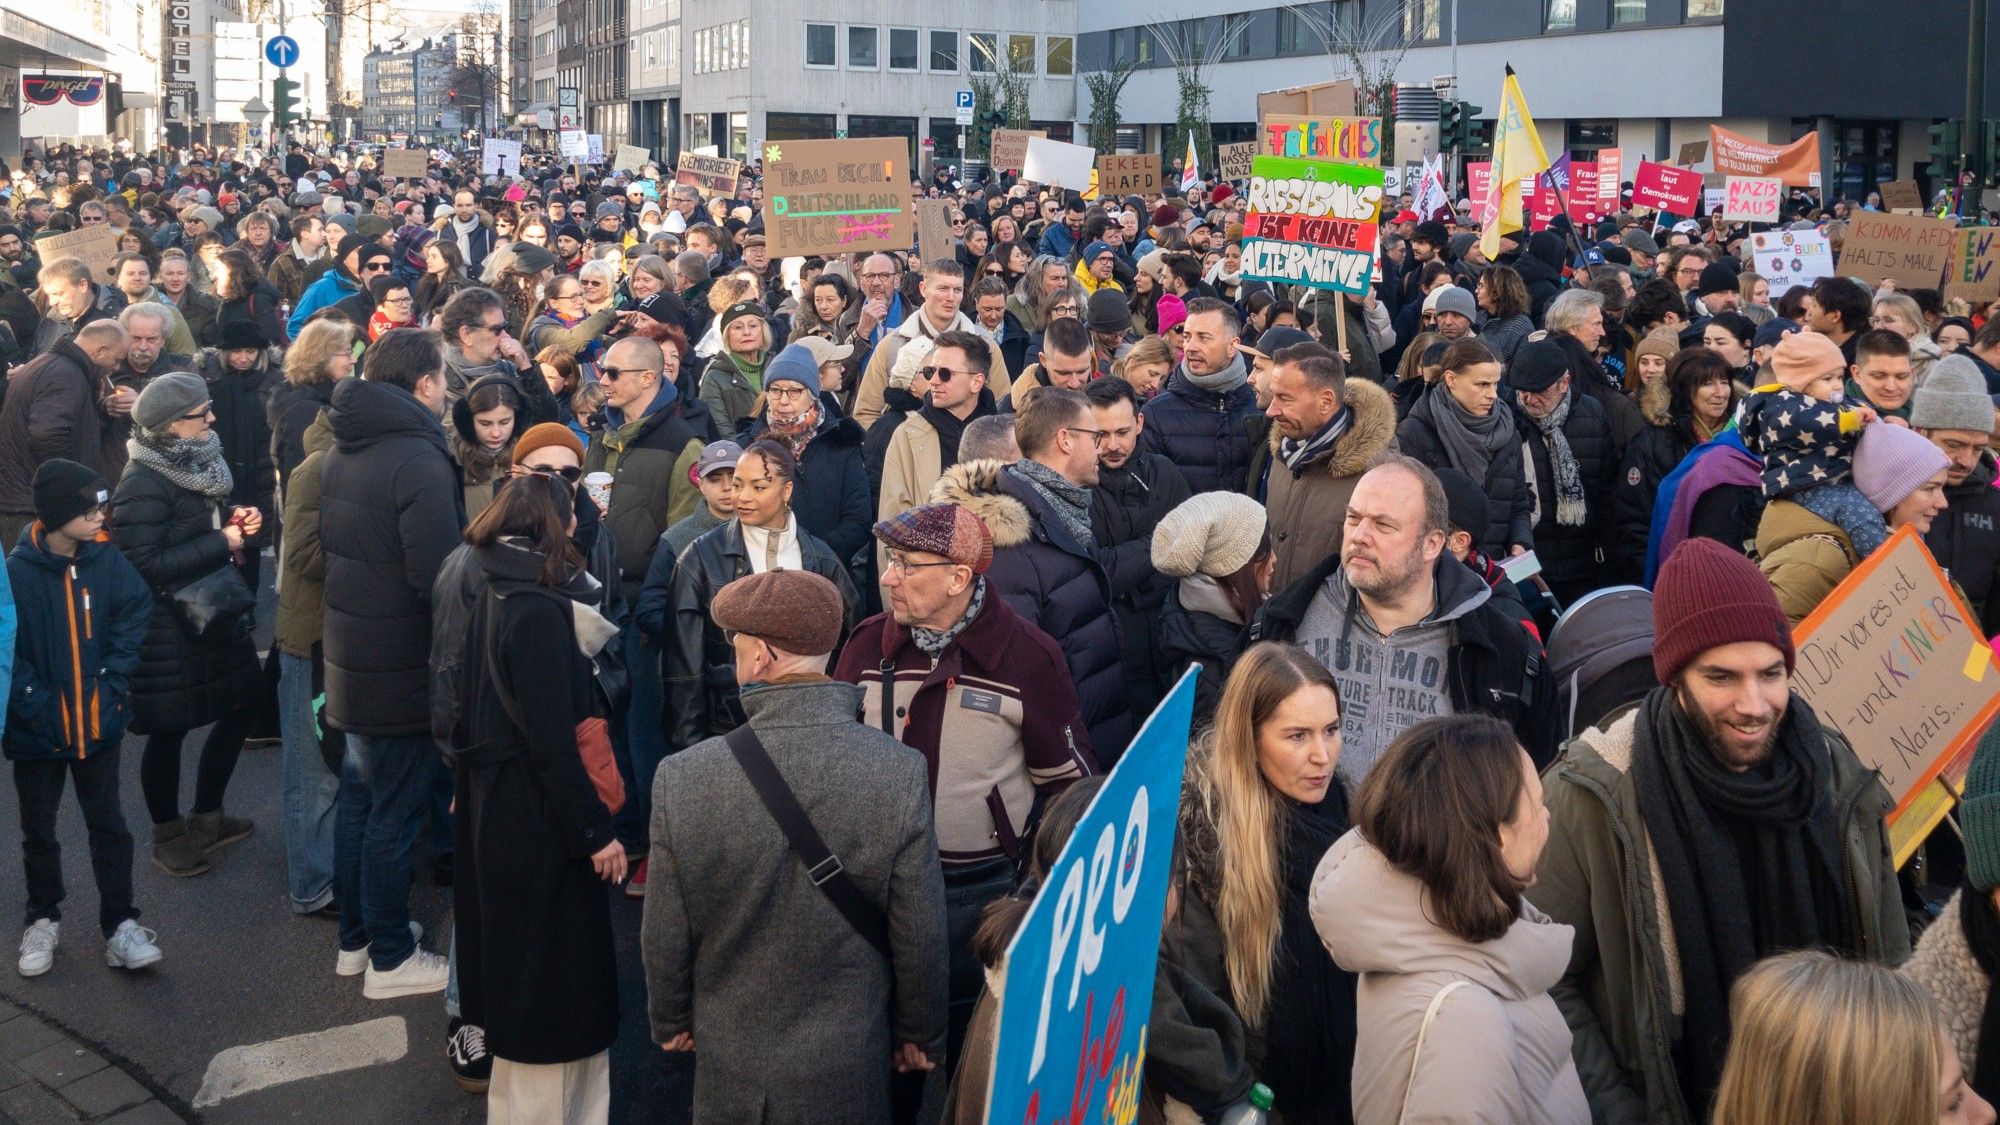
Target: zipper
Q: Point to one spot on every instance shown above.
(75, 659)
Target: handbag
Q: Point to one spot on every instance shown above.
(218, 597)
(593, 734)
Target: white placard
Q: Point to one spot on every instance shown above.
(499, 157)
(594, 148)
(574, 144)
(1752, 199)
(1785, 258)
(1058, 162)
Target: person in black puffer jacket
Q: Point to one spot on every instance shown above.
(1573, 526)
(1134, 492)
(1540, 266)
(242, 376)
(1465, 401)
(1688, 405)
(314, 364)
(1197, 420)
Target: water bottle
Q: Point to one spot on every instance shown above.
(1254, 1110)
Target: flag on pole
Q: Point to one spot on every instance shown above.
(1517, 155)
(1191, 169)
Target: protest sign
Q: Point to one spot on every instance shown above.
(1332, 98)
(1077, 996)
(96, 245)
(1392, 182)
(1583, 205)
(499, 157)
(1975, 265)
(1663, 187)
(934, 229)
(1610, 171)
(1901, 195)
(1712, 199)
(1478, 179)
(1010, 149)
(710, 175)
(1785, 258)
(1893, 660)
(573, 144)
(837, 197)
(1351, 140)
(1795, 164)
(407, 163)
(1235, 159)
(1312, 222)
(1911, 250)
(629, 158)
(594, 152)
(1059, 163)
(1752, 199)
(1123, 175)
(1692, 153)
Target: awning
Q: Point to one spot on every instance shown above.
(531, 110)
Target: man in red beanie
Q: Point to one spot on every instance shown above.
(1717, 823)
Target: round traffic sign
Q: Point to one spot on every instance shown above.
(281, 51)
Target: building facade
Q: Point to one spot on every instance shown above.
(654, 66)
(407, 80)
(606, 111)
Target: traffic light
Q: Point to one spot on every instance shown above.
(1945, 149)
(1470, 128)
(284, 103)
(994, 119)
(1448, 124)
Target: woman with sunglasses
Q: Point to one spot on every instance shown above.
(564, 321)
(833, 499)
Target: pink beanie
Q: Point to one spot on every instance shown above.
(1171, 311)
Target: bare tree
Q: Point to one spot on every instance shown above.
(474, 85)
(1001, 87)
(1370, 50)
(1192, 46)
(1105, 87)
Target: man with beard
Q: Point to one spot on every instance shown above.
(1133, 493)
(1718, 823)
(1406, 629)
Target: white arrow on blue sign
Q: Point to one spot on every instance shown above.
(281, 51)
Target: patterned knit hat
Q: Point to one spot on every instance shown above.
(949, 530)
(1708, 596)
(1980, 814)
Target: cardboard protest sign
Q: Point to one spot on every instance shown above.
(710, 175)
(499, 158)
(1351, 140)
(1123, 175)
(406, 163)
(1909, 249)
(1692, 153)
(1785, 258)
(1331, 98)
(1752, 199)
(934, 229)
(1663, 187)
(1901, 195)
(629, 158)
(1058, 162)
(1893, 660)
(1393, 181)
(1712, 199)
(1234, 160)
(837, 197)
(1312, 222)
(1609, 176)
(96, 245)
(573, 144)
(1010, 149)
(1078, 993)
(1795, 164)
(1975, 265)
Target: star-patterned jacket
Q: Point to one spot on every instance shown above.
(1804, 442)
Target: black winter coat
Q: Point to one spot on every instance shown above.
(293, 408)
(646, 487)
(51, 410)
(1651, 456)
(242, 404)
(1125, 507)
(1507, 496)
(80, 626)
(173, 536)
(1202, 433)
(897, 404)
(1188, 637)
(259, 307)
(831, 496)
(1573, 557)
(1965, 540)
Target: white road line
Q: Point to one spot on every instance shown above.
(239, 1070)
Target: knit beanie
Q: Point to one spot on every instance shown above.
(542, 435)
(1891, 461)
(167, 398)
(1708, 596)
(1170, 311)
(1716, 277)
(794, 365)
(65, 490)
(739, 309)
(1804, 356)
(1211, 533)
(1452, 299)
(1662, 341)
(1108, 312)
(1979, 815)
(1953, 397)
(794, 611)
(910, 359)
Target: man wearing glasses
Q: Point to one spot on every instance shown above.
(943, 291)
(952, 388)
(346, 279)
(479, 343)
(882, 308)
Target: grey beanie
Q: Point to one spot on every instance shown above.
(1454, 299)
(1212, 533)
(167, 398)
(1953, 397)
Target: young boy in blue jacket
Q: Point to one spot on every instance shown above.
(74, 631)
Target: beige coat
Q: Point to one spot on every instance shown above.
(1944, 964)
(868, 402)
(1307, 511)
(1802, 555)
(910, 467)
(1497, 1048)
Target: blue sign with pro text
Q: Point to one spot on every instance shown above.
(281, 51)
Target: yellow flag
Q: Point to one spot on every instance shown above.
(1517, 155)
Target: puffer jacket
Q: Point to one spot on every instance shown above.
(1965, 540)
(1496, 1044)
(1802, 555)
(831, 496)
(1307, 509)
(73, 627)
(1202, 432)
(1622, 989)
(650, 489)
(293, 408)
(50, 410)
(1510, 505)
(1573, 556)
(1653, 453)
(301, 562)
(1055, 583)
(1125, 506)
(1196, 628)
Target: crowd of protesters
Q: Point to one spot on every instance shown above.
(805, 601)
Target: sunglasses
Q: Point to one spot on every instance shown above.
(613, 374)
(375, 267)
(570, 473)
(937, 374)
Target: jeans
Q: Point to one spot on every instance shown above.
(310, 788)
(645, 741)
(967, 890)
(385, 786)
(160, 768)
(40, 786)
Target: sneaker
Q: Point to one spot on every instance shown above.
(471, 1066)
(354, 962)
(131, 946)
(635, 887)
(420, 972)
(38, 947)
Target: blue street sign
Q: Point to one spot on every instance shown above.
(964, 99)
(281, 51)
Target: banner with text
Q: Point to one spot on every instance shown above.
(1234, 159)
(1610, 164)
(96, 245)
(499, 157)
(1752, 199)
(1975, 265)
(709, 175)
(1350, 140)
(1784, 258)
(837, 197)
(1911, 250)
(1010, 148)
(1129, 173)
(1674, 191)
(1737, 155)
(1312, 222)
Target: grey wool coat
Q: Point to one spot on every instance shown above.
(789, 1006)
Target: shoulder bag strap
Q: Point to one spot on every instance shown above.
(1430, 1013)
(888, 670)
(822, 866)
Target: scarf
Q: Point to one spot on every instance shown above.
(462, 233)
(1750, 862)
(1470, 442)
(1069, 502)
(380, 321)
(1982, 936)
(196, 465)
(1298, 454)
(1569, 483)
(753, 373)
(1309, 1024)
(1223, 381)
(795, 434)
(479, 463)
(951, 428)
(933, 642)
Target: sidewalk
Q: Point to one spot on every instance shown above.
(48, 1077)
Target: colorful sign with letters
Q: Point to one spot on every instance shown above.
(1350, 140)
(1312, 222)
(837, 197)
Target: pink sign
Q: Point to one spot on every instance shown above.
(1608, 173)
(1675, 191)
(1477, 178)
(1583, 207)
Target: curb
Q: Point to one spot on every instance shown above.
(46, 1074)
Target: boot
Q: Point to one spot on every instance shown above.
(174, 851)
(211, 831)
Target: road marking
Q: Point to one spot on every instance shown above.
(240, 1070)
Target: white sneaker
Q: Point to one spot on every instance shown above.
(131, 946)
(354, 962)
(38, 947)
(420, 972)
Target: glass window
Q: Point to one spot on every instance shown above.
(1062, 54)
(902, 48)
(944, 51)
(1238, 46)
(819, 44)
(1628, 11)
(799, 126)
(861, 48)
(981, 52)
(1704, 9)
(1021, 54)
(1584, 138)
(1562, 15)
(1420, 19)
(1295, 35)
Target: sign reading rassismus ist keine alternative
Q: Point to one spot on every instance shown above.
(1312, 222)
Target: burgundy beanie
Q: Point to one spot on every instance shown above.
(1708, 596)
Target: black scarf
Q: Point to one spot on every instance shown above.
(950, 427)
(1750, 861)
(1982, 936)
(1310, 1020)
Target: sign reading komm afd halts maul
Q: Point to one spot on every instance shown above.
(1312, 222)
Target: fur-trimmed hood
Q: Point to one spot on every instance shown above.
(1371, 430)
(1656, 402)
(976, 484)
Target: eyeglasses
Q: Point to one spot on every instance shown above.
(92, 218)
(404, 300)
(592, 283)
(877, 275)
(197, 415)
(1096, 436)
(899, 562)
(613, 374)
(375, 267)
(785, 393)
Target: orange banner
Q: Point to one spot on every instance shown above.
(1738, 155)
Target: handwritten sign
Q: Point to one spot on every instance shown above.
(1010, 148)
(1351, 140)
(1752, 199)
(837, 197)
(1911, 250)
(499, 157)
(1785, 258)
(1059, 163)
(1078, 992)
(1901, 195)
(1123, 175)
(1975, 265)
(629, 158)
(1235, 159)
(1676, 191)
(710, 175)
(573, 144)
(1312, 222)
(1893, 660)
(96, 246)
(406, 163)
(594, 148)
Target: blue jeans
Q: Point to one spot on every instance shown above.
(645, 741)
(310, 788)
(385, 787)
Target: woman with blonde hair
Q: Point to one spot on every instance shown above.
(1263, 805)
(1818, 1040)
(1145, 366)
(1898, 312)
(321, 357)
